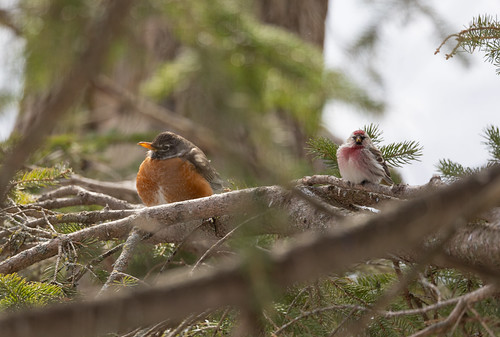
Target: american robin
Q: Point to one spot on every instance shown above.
(174, 170)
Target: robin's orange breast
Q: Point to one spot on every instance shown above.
(162, 181)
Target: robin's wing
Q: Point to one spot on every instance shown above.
(196, 157)
(378, 156)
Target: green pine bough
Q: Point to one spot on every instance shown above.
(482, 34)
(452, 171)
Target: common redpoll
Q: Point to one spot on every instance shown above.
(360, 161)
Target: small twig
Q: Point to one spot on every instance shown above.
(95, 261)
(188, 321)
(303, 290)
(123, 260)
(124, 190)
(58, 261)
(449, 323)
(460, 38)
(438, 49)
(219, 324)
(121, 275)
(222, 240)
(269, 319)
(177, 248)
(35, 231)
(481, 320)
(85, 217)
(47, 221)
(316, 311)
(434, 290)
(341, 324)
(82, 196)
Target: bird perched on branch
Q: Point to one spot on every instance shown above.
(360, 161)
(174, 170)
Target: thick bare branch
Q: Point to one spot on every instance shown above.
(369, 194)
(6, 20)
(397, 228)
(124, 190)
(53, 199)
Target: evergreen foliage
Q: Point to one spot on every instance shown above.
(29, 182)
(482, 34)
(326, 150)
(399, 154)
(17, 293)
(452, 171)
(42, 177)
(492, 142)
(395, 154)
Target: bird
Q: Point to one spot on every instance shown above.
(360, 161)
(175, 170)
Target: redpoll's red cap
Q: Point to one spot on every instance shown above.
(358, 136)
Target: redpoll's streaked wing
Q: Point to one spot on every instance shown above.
(378, 156)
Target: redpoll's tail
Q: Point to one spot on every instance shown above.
(387, 180)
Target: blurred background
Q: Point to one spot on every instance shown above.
(245, 82)
(443, 104)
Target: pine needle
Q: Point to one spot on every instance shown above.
(17, 293)
(492, 136)
(326, 150)
(453, 171)
(398, 154)
(374, 133)
(42, 176)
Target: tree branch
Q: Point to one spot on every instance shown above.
(123, 260)
(51, 200)
(124, 190)
(399, 227)
(7, 21)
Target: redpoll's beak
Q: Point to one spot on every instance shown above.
(359, 140)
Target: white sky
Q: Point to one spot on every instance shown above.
(9, 80)
(440, 103)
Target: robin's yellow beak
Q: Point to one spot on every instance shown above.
(147, 145)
